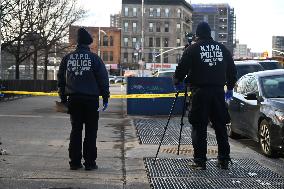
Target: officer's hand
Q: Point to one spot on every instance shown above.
(105, 105)
(229, 95)
(179, 86)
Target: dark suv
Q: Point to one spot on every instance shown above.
(245, 67)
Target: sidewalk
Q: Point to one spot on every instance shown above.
(36, 139)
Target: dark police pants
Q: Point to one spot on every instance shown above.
(208, 103)
(83, 110)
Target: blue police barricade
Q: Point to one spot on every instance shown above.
(151, 106)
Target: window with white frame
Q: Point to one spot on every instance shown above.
(167, 12)
(134, 11)
(126, 12)
(151, 27)
(125, 41)
(134, 26)
(125, 26)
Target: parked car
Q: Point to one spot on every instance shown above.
(111, 79)
(245, 67)
(119, 79)
(270, 64)
(165, 73)
(257, 109)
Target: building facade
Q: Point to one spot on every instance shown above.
(115, 20)
(278, 45)
(241, 51)
(161, 28)
(106, 44)
(222, 20)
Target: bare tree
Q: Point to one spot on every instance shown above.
(15, 32)
(35, 26)
(54, 21)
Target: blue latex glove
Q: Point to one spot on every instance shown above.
(105, 105)
(179, 87)
(229, 95)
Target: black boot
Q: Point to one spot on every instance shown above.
(224, 164)
(198, 165)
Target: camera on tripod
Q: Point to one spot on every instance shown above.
(190, 37)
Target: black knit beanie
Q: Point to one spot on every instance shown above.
(203, 30)
(83, 37)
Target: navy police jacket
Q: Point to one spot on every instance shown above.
(207, 63)
(83, 73)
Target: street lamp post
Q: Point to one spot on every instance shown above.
(142, 39)
(99, 47)
(1, 67)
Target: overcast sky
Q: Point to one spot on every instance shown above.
(257, 20)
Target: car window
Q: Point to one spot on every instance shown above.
(270, 65)
(273, 86)
(166, 74)
(245, 69)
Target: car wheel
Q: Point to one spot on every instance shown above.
(265, 139)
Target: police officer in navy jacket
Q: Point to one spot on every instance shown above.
(82, 78)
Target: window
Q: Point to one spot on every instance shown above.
(167, 12)
(205, 18)
(151, 12)
(178, 42)
(178, 28)
(134, 11)
(166, 27)
(125, 41)
(134, 41)
(158, 12)
(110, 56)
(158, 42)
(105, 40)
(179, 13)
(166, 58)
(125, 57)
(110, 41)
(158, 27)
(151, 42)
(125, 26)
(125, 11)
(158, 59)
(151, 27)
(150, 57)
(105, 56)
(178, 56)
(166, 42)
(134, 27)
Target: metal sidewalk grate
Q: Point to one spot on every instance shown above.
(207, 183)
(150, 131)
(243, 173)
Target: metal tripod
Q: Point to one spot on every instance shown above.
(169, 117)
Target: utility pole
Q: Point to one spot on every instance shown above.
(99, 47)
(1, 66)
(142, 39)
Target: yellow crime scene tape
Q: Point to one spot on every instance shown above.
(168, 95)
